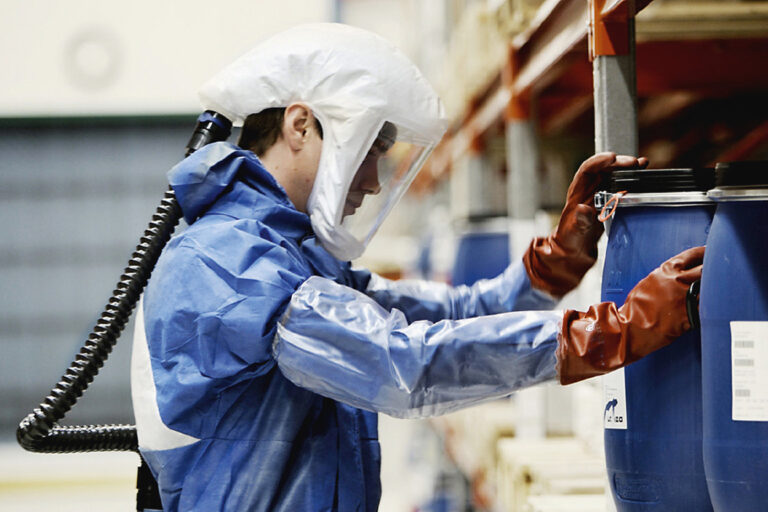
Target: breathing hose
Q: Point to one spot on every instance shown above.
(39, 431)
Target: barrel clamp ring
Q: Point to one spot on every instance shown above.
(606, 203)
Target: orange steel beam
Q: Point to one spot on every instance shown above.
(558, 30)
(707, 66)
(702, 66)
(558, 27)
(537, 58)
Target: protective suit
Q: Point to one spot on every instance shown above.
(259, 356)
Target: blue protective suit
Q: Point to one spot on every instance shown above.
(260, 360)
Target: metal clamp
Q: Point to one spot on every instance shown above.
(601, 199)
(692, 304)
(609, 204)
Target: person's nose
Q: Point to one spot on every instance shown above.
(369, 184)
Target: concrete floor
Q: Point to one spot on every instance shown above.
(66, 482)
(106, 481)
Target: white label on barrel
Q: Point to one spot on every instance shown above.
(749, 371)
(615, 400)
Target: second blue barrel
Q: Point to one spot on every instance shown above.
(482, 252)
(654, 455)
(734, 327)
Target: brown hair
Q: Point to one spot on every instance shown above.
(260, 131)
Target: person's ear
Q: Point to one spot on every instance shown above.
(297, 125)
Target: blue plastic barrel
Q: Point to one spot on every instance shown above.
(734, 325)
(656, 463)
(480, 255)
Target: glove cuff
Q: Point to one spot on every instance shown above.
(606, 338)
(553, 269)
(591, 343)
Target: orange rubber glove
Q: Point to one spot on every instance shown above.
(556, 263)
(653, 316)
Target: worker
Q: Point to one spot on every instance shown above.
(262, 357)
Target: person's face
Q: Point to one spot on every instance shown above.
(366, 180)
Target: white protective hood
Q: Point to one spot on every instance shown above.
(354, 81)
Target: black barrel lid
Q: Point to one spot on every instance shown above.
(643, 181)
(741, 174)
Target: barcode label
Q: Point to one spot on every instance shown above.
(749, 371)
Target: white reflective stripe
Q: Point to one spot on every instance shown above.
(153, 433)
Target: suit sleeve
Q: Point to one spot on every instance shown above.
(342, 344)
(425, 300)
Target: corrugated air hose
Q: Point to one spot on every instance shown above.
(40, 430)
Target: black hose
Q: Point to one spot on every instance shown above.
(87, 438)
(39, 431)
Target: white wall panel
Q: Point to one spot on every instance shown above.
(85, 57)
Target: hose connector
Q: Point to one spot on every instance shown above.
(211, 127)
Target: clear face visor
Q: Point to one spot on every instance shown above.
(382, 178)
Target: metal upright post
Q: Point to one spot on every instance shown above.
(468, 184)
(522, 165)
(612, 50)
(522, 203)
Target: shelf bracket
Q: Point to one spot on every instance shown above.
(609, 27)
